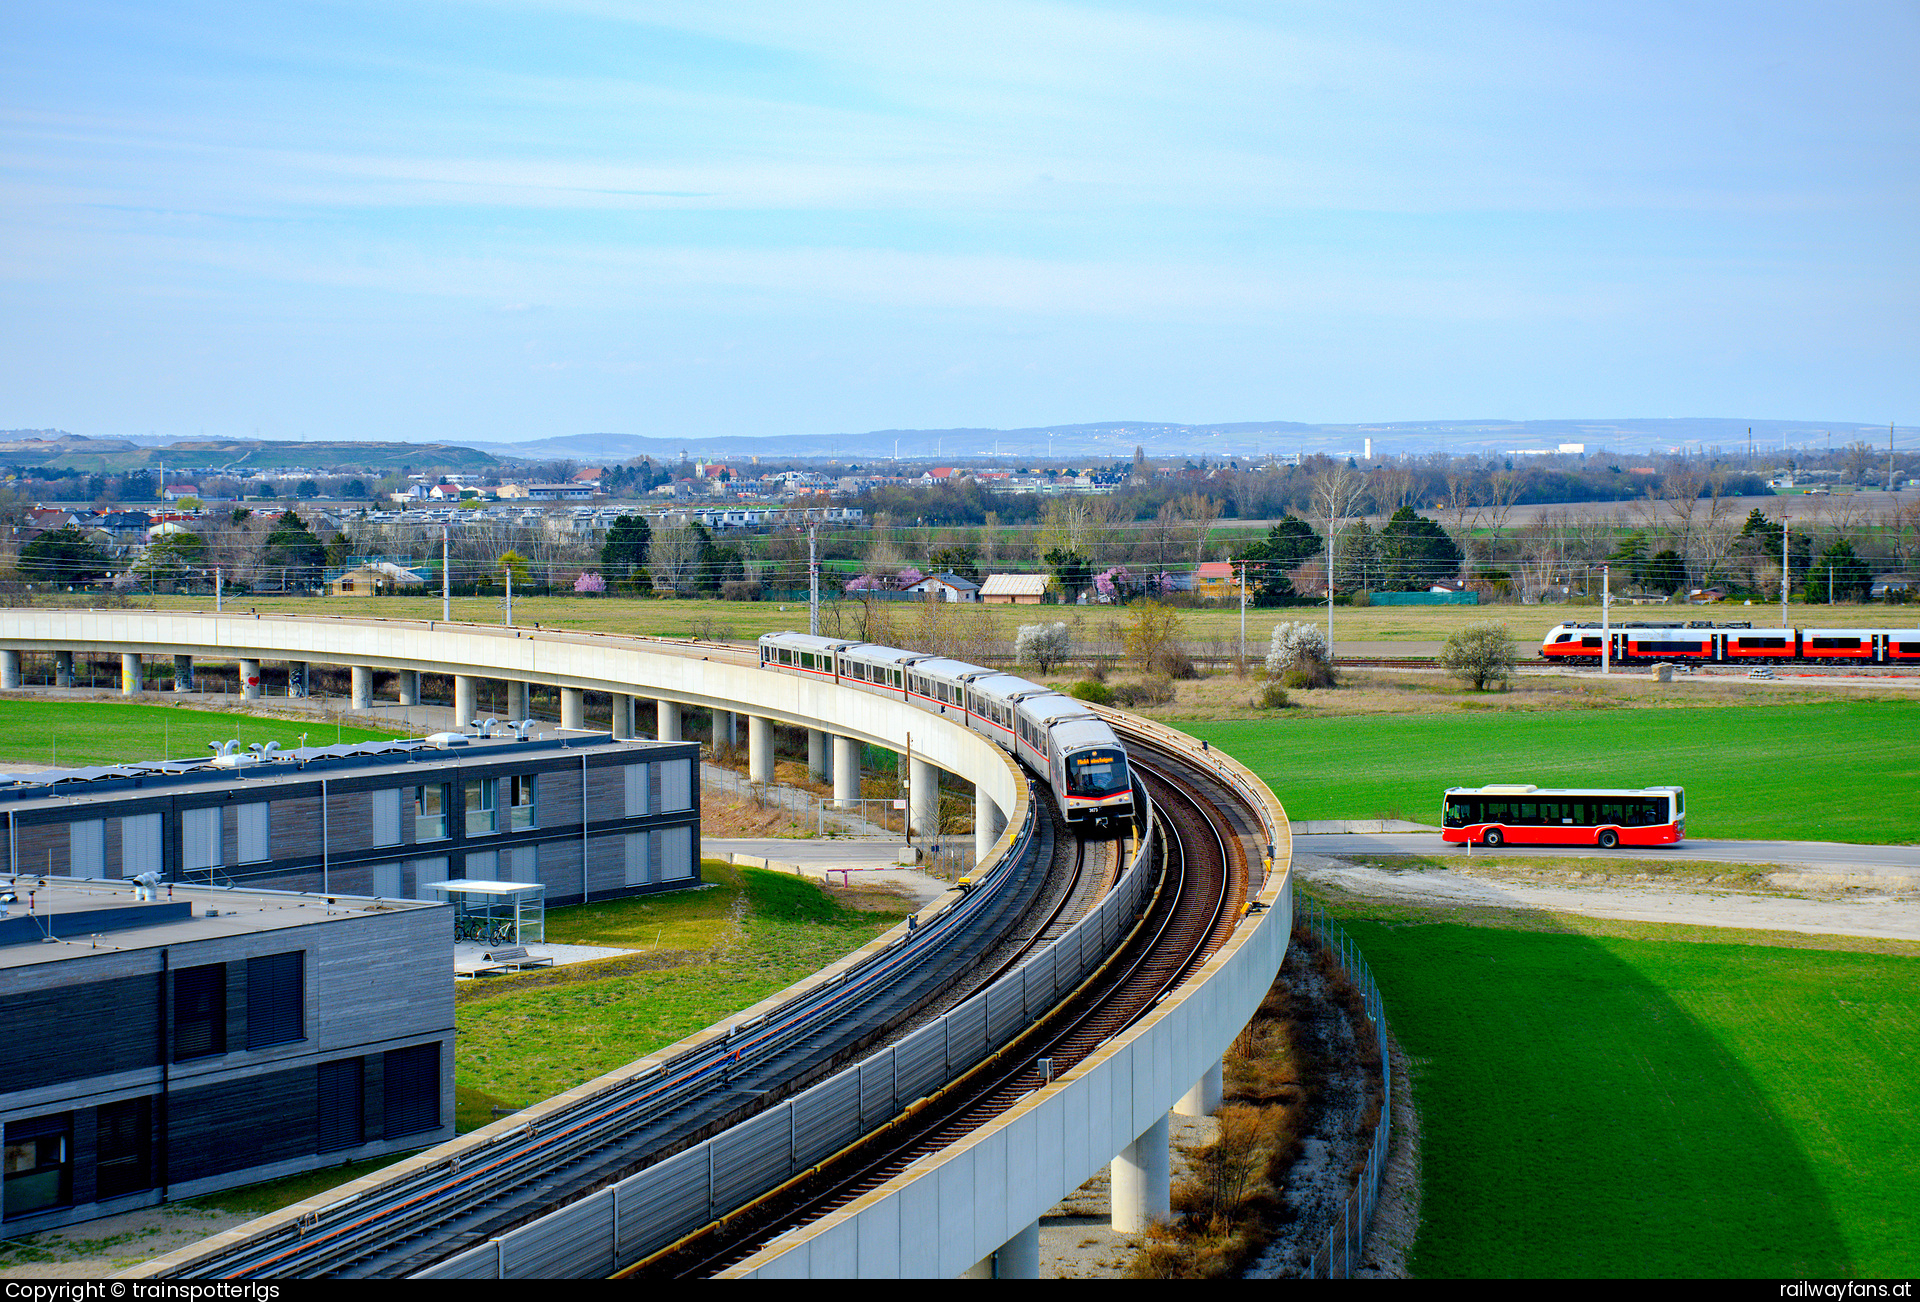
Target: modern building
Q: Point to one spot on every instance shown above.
(584, 815)
(161, 1049)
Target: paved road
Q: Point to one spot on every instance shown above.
(1876, 860)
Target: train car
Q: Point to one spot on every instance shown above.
(1073, 749)
(1703, 643)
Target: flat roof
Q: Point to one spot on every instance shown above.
(88, 917)
(477, 886)
(64, 788)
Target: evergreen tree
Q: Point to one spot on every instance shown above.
(62, 557)
(293, 548)
(623, 558)
(1288, 543)
(1839, 575)
(1417, 552)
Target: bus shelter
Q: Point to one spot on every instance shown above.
(496, 913)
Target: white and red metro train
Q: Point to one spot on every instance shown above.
(1057, 737)
(1707, 643)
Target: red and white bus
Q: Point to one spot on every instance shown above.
(1517, 815)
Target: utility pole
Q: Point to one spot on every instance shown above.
(1889, 456)
(509, 570)
(217, 594)
(446, 579)
(1606, 618)
(1785, 573)
(813, 578)
(1243, 617)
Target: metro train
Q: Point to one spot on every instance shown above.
(1702, 642)
(1059, 738)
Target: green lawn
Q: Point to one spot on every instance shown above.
(1844, 771)
(521, 1040)
(69, 734)
(1596, 1105)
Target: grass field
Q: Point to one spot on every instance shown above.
(523, 1039)
(1637, 1105)
(1831, 772)
(749, 619)
(69, 734)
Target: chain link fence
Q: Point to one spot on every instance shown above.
(1346, 1236)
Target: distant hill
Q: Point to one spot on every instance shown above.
(237, 457)
(1162, 439)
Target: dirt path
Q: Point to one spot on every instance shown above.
(1509, 884)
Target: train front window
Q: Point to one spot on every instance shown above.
(1096, 772)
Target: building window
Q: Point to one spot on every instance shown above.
(342, 1105)
(430, 813)
(199, 1011)
(676, 786)
(520, 802)
(200, 840)
(639, 860)
(140, 845)
(276, 999)
(87, 848)
(39, 1165)
(482, 803)
(385, 811)
(123, 1157)
(253, 828)
(676, 854)
(636, 790)
(412, 1081)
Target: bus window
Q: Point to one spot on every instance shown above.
(1460, 813)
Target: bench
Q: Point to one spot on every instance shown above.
(509, 958)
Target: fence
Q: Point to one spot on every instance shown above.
(1346, 1237)
(632, 1218)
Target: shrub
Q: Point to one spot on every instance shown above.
(1274, 697)
(1172, 661)
(1150, 692)
(740, 590)
(1045, 645)
(1480, 655)
(1088, 690)
(1297, 656)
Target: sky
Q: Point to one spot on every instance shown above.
(459, 220)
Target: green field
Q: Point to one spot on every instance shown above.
(1634, 1105)
(1844, 771)
(73, 734)
(523, 1039)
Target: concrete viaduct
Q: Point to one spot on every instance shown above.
(972, 1208)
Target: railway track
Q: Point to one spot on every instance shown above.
(1201, 871)
(485, 1190)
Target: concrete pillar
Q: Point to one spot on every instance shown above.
(1203, 1100)
(818, 745)
(466, 700)
(9, 669)
(573, 708)
(363, 687)
(668, 715)
(63, 669)
(1142, 1178)
(182, 673)
(297, 679)
(923, 786)
(1017, 1258)
(250, 679)
(759, 750)
(726, 730)
(519, 700)
(846, 771)
(130, 683)
(622, 717)
(409, 687)
(988, 823)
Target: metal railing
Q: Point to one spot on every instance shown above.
(1346, 1236)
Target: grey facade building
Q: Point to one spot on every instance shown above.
(287, 1000)
(161, 1049)
(585, 816)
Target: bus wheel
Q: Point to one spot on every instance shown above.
(1609, 839)
(1492, 837)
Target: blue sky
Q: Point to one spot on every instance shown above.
(516, 220)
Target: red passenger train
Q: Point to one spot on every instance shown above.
(1701, 642)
